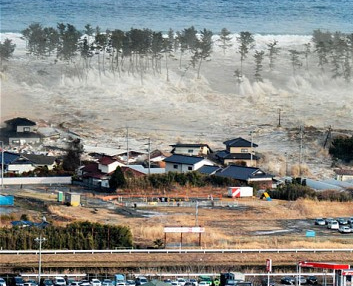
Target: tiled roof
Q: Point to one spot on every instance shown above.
(106, 160)
(344, 172)
(209, 170)
(190, 145)
(239, 142)
(39, 159)
(243, 173)
(20, 121)
(10, 157)
(90, 168)
(183, 159)
(240, 156)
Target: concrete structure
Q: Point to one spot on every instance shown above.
(73, 199)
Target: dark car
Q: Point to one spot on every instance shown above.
(312, 280)
(47, 282)
(17, 281)
(265, 282)
(288, 280)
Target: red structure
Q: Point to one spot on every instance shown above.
(340, 271)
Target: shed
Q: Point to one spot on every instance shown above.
(73, 199)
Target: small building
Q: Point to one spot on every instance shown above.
(21, 131)
(73, 199)
(191, 149)
(108, 164)
(184, 163)
(248, 175)
(344, 175)
(238, 151)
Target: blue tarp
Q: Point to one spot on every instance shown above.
(6, 201)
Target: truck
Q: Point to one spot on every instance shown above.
(119, 278)
(240, 192)
(231, 278)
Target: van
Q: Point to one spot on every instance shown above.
(333, 225)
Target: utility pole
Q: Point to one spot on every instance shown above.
(2, 165)
(301, 151)
(251, 134)
(286, 157)
(197, 213)
(40, 240)
(279, 117)
(127, 145)
(328, 136)
(149, 156)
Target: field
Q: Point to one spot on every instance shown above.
(245, 223)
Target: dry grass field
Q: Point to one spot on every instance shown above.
(244, 224)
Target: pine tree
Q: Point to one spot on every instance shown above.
(117, 180)
(225, 39)
(273, 51)
(6, 50)
(259, 56)
(246, 43)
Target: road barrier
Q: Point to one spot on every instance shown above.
(178, 251)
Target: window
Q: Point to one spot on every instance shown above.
(175, 166)
(244, 150)
(190, 168)
(190, 151)
(26, 129)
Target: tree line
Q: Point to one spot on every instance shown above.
(77, 235)
(120, 179)
(342, 148)
(140, 50)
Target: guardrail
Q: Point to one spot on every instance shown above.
(177, 251)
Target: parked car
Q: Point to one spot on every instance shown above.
(120, 284)
(107, 282)
(140, 280)
(175, 283)
(266, 282)
(84, 283)
(203, 283)
(344, 229)
(194, 282)
(130, 282)
(327, 220)
(167, 281)
(29, 284)
(188, 283)
(300, 279)
(320, 221)
(59, 281)
(312, 280)
(34, 282)
(287, 280)
(181, 281)
(17, 281)
(75, 283)
(333, 224)
(2, 282)
(95, 282)
(350, 220)
(47, 282)
(342, 221)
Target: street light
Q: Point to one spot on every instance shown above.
(40, 239)
(2, 165)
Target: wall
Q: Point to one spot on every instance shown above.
(37, 180)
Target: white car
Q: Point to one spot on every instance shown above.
(344, 229)
(204, 283)
(2, 282)
(181, 281)
(320, 221)
(95, 282)
(59, 281)
(107, 282)
(333, 225)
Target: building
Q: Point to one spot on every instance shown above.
(185, 163)
(344, 175)
(248, 175)
(21, 131)
(238, 151)
(191, 149)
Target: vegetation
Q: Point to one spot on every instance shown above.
(78, 235)
(117, 180)
(6, 50)
(342, 148)
(72, 159)
(139, 51)
(294, 191)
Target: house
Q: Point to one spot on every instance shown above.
(21, 131)
(209, 170)
(185, 163)
(344, 175)
(238, 151)
(191, 149)
(107, 164)
(19, 163)
(248, 175)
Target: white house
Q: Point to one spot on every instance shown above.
(184, 163)
(191, 149)
(108, 164)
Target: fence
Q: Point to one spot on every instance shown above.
(37, 180)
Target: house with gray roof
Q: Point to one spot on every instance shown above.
(20, 131)
(249, 175)
(28, 162)
(185, 163)
(238, 151)
(209, 170)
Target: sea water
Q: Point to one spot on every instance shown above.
(281, 17)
